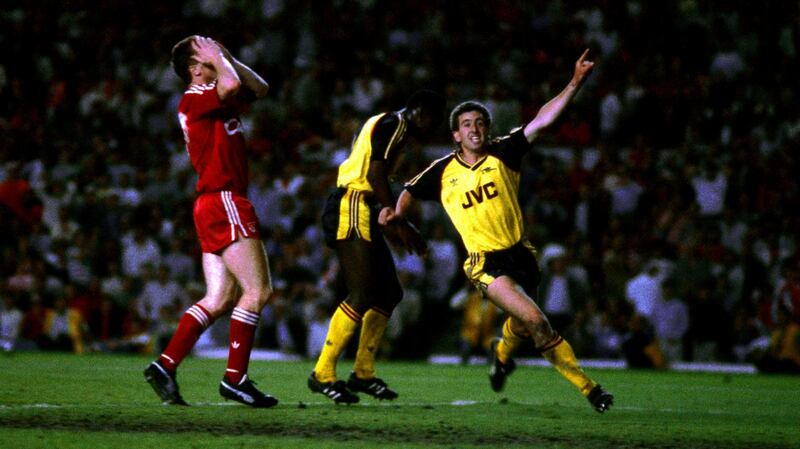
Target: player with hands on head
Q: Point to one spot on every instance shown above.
(478, 186)
(362, 199)
(235, 264)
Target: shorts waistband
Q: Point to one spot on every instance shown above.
(519, 244)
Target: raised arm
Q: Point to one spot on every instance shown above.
(207, 51)
(553, 108)
(250, 79)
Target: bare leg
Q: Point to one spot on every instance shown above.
(247, 260)
(527, 320)
(220, 286)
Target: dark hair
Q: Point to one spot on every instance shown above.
(469, 106)
(428, 100)
(182, 53)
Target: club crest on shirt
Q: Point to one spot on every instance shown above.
(487, 170)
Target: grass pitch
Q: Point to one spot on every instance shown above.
(66, 401)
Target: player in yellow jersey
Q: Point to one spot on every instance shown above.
(350, 223)
(478, 185)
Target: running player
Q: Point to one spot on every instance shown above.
(478, 186)
(226, 224)
(350, 222)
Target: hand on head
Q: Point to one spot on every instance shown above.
(206, 50)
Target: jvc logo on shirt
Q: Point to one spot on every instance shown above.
(486, 191)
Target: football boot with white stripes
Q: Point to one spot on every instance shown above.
(335, 390)
(163, 383)
(374, 387)
(246, 393)
(600, 399)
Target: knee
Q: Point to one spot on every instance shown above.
(260, 295)
(253, 298)
(218, 305)
(536, 324)
(519, 328)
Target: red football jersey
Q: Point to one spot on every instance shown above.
(214, 139)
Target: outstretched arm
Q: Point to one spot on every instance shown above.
(250, 79)
(553, 109)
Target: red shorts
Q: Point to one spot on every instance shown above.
(220, 217)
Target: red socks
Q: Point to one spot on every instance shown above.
(243, 331)
(193, 323)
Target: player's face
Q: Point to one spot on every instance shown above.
(424, 121)
(202, 73)
(472, 131)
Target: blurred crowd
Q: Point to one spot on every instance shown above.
(661, 203)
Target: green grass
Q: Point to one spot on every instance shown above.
(65, 401)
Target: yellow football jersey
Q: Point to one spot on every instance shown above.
(379, 139)
(481, 199)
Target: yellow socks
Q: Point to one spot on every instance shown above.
(343, 324)
(508, 344)
(559, 353)
(372, 328)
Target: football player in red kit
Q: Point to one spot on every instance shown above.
(227, 227)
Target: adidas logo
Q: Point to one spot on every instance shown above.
(235, 345)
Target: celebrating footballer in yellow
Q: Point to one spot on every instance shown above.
(478, 185)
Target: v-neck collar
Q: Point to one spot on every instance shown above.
(474, 166)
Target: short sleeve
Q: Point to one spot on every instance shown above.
(427, 185)
(387, 134)
(511, 148)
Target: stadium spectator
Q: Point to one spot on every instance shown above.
(159, 293)
(105, 322)
(708, 334)
(403, 332)
(10, 322)
(317, 330)
(560, 293)
(478, 322)
(139, 250)
(788, 295)
(478, 186)
(178, 262)
(783, 353)
(22, 280)
(710, 186)
(640, 345)
(643, 291)
(362, 199)
(63, 328)
(671, 321)
(441, 264)
(685, 113)
(219, 86)
(18, 201)
(625, 191)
